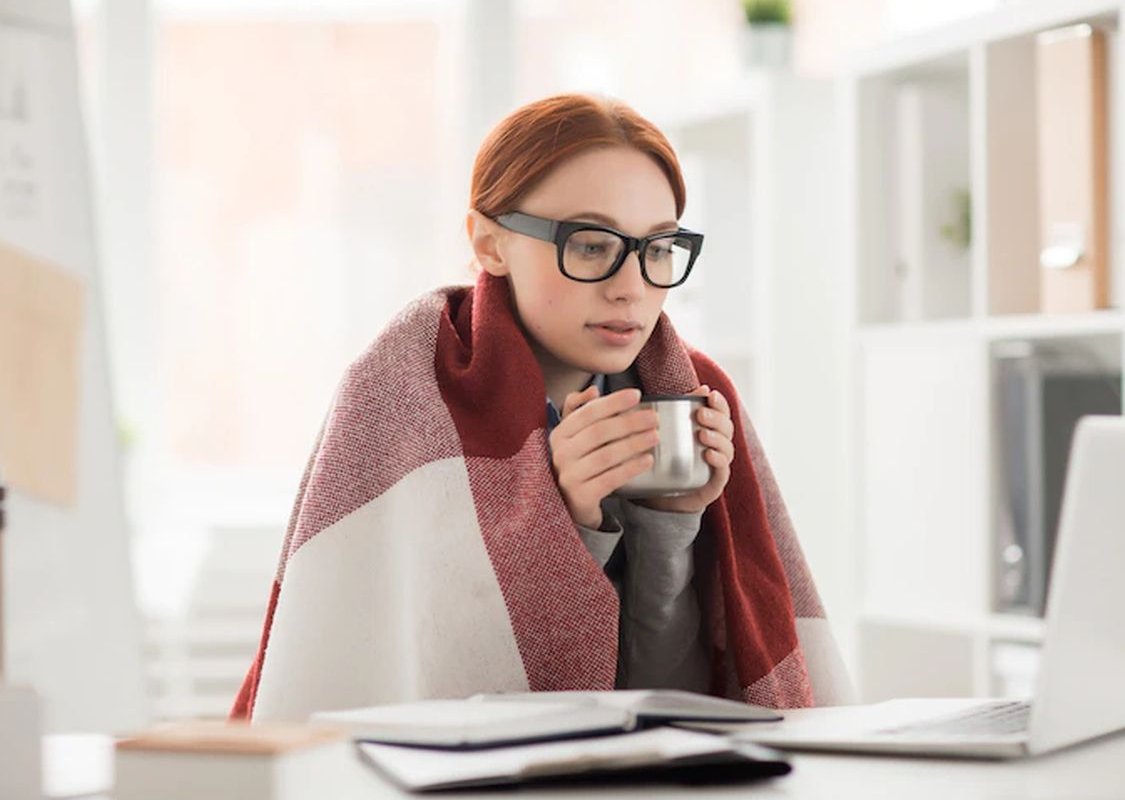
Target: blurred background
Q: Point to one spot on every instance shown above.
(274, 179)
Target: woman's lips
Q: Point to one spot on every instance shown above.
(616, 333)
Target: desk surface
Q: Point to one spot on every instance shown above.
(1090, 772)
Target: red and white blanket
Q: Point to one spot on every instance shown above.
(430, 553)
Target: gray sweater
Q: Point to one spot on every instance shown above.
(648, 555)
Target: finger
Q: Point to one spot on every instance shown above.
(613, 455)
(604, 431)
(720, 463)
(714, 440)
(720, 475)
(715, 420)
(576, 400)
(716, 400)
(612, 480)
(569, 449)
(717, 404)
(600, 408)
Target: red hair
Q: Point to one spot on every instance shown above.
(534, 139)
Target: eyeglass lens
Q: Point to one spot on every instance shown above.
(592, 254)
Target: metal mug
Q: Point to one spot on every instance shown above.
(678, 466)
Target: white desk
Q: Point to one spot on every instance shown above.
(1090, 772)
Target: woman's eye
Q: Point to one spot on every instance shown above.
(658, 251)
(593, 247)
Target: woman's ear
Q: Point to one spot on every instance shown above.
(485, 236)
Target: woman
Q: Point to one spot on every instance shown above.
(455, 530)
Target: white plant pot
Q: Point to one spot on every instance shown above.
(767, 45)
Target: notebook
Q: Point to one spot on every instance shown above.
(469, 724)
(658, 755)
(500, 719)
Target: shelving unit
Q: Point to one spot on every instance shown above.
(930, 315)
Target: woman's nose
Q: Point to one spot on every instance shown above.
(628, 283)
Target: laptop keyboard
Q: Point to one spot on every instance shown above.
(992, 719)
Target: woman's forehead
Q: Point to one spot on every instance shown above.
(619, 186)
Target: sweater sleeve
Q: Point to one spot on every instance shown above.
(602, 542)
(661, 629)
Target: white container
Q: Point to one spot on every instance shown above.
(767, 44)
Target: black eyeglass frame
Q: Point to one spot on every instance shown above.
(558, 231)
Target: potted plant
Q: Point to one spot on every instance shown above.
(768, 33)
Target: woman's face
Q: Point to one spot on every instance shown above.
(588, 327)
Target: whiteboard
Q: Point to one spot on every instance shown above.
(71, 626)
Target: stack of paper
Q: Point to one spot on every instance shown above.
(551, 736)
(490, 720)
(660, 754)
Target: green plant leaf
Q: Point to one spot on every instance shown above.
(767, 11)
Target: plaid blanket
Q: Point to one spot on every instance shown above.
(430, 554)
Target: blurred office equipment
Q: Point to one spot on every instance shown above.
(1041, 393)
(20, 752)
(70, 627)
(20, 717)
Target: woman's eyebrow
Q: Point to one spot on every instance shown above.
(594, 216)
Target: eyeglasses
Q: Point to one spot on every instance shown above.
(589, 252)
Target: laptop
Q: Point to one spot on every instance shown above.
(1079, 693)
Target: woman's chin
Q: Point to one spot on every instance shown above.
(610, 363)
(599, 362)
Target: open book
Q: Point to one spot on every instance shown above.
(658, 755)
(650, 706)
(493, 720)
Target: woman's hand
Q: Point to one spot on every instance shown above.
(598, 447)
(717, 436)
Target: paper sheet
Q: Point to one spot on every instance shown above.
(41, 316)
